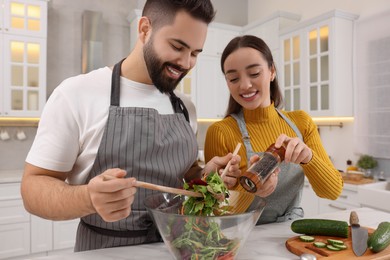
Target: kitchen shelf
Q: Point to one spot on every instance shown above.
(19, 122)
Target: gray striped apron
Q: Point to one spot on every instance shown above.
(284, 203)
(151, 147)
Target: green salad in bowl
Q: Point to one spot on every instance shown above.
(203, 228)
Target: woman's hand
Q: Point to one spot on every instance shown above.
(296, 150)
(270, 184)
(216, 164)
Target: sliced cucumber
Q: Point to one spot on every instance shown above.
(342, 247)
(307, 238)
(334, 242)
(319, 244)
(333, 248)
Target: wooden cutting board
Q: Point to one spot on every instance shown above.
(298, 247)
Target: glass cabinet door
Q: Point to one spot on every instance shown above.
(292, 72)
(24, 78)
(25, 17)
(185, 86)
(319, 68)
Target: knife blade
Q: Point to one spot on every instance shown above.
(359, 235)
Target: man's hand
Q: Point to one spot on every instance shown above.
(112, 195)
(270, 184)
(216, 164)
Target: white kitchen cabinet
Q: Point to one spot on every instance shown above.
(212, 93)
(23, 37)
(23, 234)
(348, 199)
(316, 65)
(41, 234)
(64, 234)
(268, 29)
(218, 36)
(47, 235)
(14, 222)
(309, 201)
(314, 205)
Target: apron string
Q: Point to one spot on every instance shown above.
(178, 105)
(115, 83)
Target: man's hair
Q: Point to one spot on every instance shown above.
(163, 12)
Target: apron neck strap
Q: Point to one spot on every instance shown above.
(116, 83)
(177, 103)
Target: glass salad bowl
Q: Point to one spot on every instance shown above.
(203, 237)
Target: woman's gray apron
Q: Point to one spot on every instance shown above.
(284, 203)
(150, 147)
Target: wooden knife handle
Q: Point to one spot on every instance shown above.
(353, 219)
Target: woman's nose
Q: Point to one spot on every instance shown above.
(246, 83)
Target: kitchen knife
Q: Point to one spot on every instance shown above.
(359, 235)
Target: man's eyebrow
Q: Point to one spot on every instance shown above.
(186, 45)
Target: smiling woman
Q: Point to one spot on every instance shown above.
(254, 119)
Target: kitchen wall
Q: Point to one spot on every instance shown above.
(64, 50)
(309, 8)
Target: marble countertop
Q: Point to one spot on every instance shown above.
(10, 176)
(264, 242)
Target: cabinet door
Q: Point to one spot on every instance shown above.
(2, 98)
(41, 234)
(347, 200)
(223, 38)
(212, 93)
(14, 240)
(24, 75)
(309, 201)
(291, 77)
(187, 86)
(217, 39)
(319, 67)
(64, 234)
(25, 17)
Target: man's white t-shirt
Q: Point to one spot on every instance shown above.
(73, 120)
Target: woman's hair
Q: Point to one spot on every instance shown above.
(256, 43)
(163, 12)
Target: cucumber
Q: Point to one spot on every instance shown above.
(340, 246)
(334, 242)
(321, 227)
(319, 244)
(380, 239)
(333, 248)
(306, 238)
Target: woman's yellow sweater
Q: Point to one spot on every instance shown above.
(264, 125)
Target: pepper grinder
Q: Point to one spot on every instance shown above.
(253, 179)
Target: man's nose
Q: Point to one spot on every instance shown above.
(186, 61)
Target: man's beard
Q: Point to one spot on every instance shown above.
(156, 69)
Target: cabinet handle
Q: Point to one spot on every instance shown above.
(343, 196)
(306, 185)
(336, 207)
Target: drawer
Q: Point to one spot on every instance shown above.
(349, 197)
(12, 211)
(327, 206)
(10, 191)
